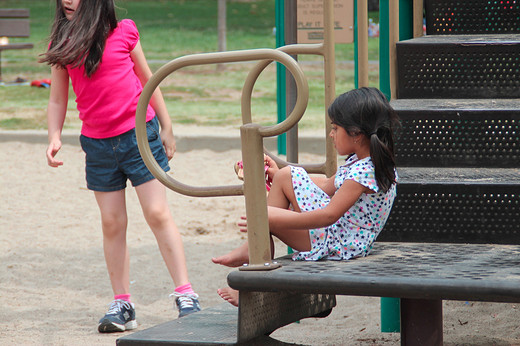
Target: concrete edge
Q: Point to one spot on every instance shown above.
(312, 144)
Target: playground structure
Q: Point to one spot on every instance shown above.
(458, 160)
(251, 134)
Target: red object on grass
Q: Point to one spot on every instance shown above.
(42, 83)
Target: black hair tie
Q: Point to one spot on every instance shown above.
(373, 133)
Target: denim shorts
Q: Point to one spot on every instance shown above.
(111, 161)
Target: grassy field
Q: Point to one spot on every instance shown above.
(169, 29)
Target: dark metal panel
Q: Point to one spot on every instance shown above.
(263, 312)
(210, 327)
(214, 326)
(479, 212)
(459, 67)
(454, 17)
(458, 133)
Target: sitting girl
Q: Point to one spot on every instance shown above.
(340, 217)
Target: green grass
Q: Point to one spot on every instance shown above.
(169, 29)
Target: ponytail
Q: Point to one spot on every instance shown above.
(383, 158)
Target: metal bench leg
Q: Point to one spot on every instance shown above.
(260, 313)
(421, 322)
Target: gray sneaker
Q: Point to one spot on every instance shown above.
(120, 317)
(186, 303)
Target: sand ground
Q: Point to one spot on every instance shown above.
(53, 282)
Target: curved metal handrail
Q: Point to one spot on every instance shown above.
(294, 49)
(213, 58)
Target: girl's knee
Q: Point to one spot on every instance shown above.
(114, 225)
(283, 174)
(157, 217)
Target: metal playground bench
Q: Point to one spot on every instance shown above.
(454, 231)
(14, 22)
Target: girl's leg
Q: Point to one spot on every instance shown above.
(282, 196)
(152, 196)
(298, 239)
(235, 258)
(112, 206)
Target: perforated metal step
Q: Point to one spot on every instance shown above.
(457, 17)
(456, 206)
(458, 133)
(459, 66)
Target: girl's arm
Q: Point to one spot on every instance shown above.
(56, 112)
(143, 72)
(326, 184)
(341, 201)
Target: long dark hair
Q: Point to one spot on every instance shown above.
(81, 41)
(367, 111)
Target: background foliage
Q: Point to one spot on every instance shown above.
(169, 29)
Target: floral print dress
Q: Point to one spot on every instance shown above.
(355, 232)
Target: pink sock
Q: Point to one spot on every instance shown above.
(184, 289)
(125, 297)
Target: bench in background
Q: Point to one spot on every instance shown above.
(14, 22)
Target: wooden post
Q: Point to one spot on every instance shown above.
(329, 59)
(362, 37)
(393, 13)
(417, 18)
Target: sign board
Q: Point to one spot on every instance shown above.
(309, 17)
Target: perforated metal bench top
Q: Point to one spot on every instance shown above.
(412, 270)
(428, 175)
(443, 105)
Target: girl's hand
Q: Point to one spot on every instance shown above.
(168, 141)
(52, 150)
(273, 167)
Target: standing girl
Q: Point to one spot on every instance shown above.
(340, 217)
(105, 63)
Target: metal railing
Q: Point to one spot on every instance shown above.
(252, 134)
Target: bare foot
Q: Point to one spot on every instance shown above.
(228, 294)
(235, 258)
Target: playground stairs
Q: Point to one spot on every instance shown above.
(458, 156)
(458, 151)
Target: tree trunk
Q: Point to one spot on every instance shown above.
(221, 30)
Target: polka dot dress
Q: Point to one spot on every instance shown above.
(355, 232)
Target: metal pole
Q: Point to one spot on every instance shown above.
(384, 68)
(290, 86)
(221, 30)
(393, 20)
(362, 39)
(256, 201)
(280, 74)
(329, 59)
(421, 321)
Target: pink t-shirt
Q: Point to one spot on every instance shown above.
(107, 101)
